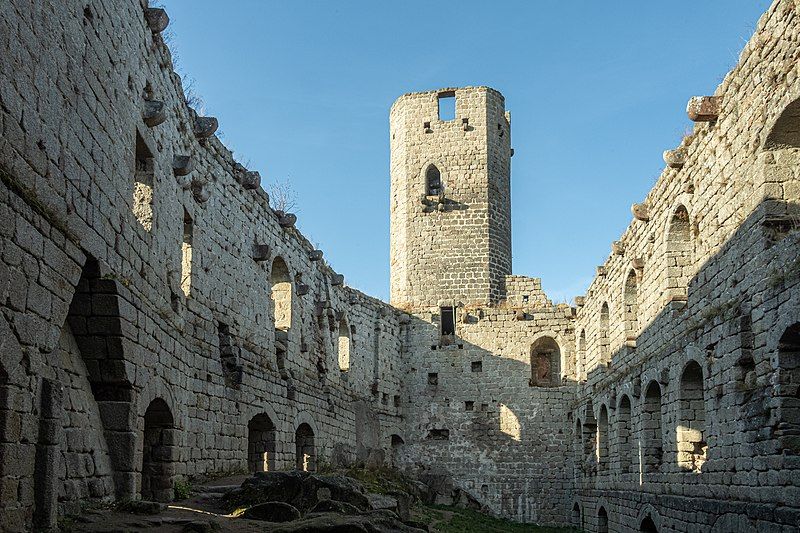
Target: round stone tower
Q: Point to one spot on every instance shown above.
(451, 197)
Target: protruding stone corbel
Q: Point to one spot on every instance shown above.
(465, 124)
(663, 377)
(201, 194)
(182, 165)
(703, 108)
(637, 387)
(601, 270)
(640, 212)
(337, 279)
(315, 255)
(250, 179)
(638, 263)
(580, 301)
(675, 158)
(260, 252)
(153, 113)
(519, 315)
(288, 220)
(156, 18)
(617, 248)
(204, 127)
(302, 289)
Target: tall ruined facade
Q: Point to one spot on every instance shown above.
(161, 320)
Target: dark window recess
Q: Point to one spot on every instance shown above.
(447, 105)
(469, 406)
(484, 407)
(385, 399)
(448, 321)
(433, 378)
(477, 366)
(397, 401)
(433, 181)
(229, 354)
(439, 434)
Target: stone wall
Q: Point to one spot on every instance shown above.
(160, 320)
(130, 233)
(685, 410)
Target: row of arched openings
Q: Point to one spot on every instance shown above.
(281, 295)
(643, 452)
(679, 258)
(647, 524)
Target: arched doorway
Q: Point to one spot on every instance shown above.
(159, 453)
(305, 452)
(260, 444)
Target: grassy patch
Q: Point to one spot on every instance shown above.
(444, 519)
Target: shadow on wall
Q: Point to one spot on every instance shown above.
(662, 415)
(492, 426)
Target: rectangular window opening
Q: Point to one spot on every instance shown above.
(447, 106)
(186, 261)
(477, 366)
(448, 321)
(469, 406)
(143, 184)
(433, 378)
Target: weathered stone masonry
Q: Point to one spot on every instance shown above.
(161, 320)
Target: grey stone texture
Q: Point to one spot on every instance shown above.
(160, 320)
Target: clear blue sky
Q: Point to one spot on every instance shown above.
(597, 91)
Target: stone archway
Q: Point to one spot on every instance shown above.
(159, 452)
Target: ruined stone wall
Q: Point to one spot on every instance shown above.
(105, 195)
(687, 410)
(455, 244)
(480, 418)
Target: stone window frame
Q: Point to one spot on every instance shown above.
(423, 178)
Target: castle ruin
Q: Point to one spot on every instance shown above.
(160, 320)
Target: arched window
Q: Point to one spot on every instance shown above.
(631, 298)
(652, 443)
(158, 452)
(785, 132)
(605, 352)
(545, 363)
(261, 444)
(577, 516)
(305, 452)
(281, 294)
(344, 346)
(589, 439)
(433, 181)
(679, 254)
(691, 425)
(648, 526)
(578, 447)
(580, 372)
(602, 440)
(602, 520)
(624, 441)
(789, 387)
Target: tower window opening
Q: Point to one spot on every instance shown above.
(433, 181)
(448, 321)
(447, 106)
